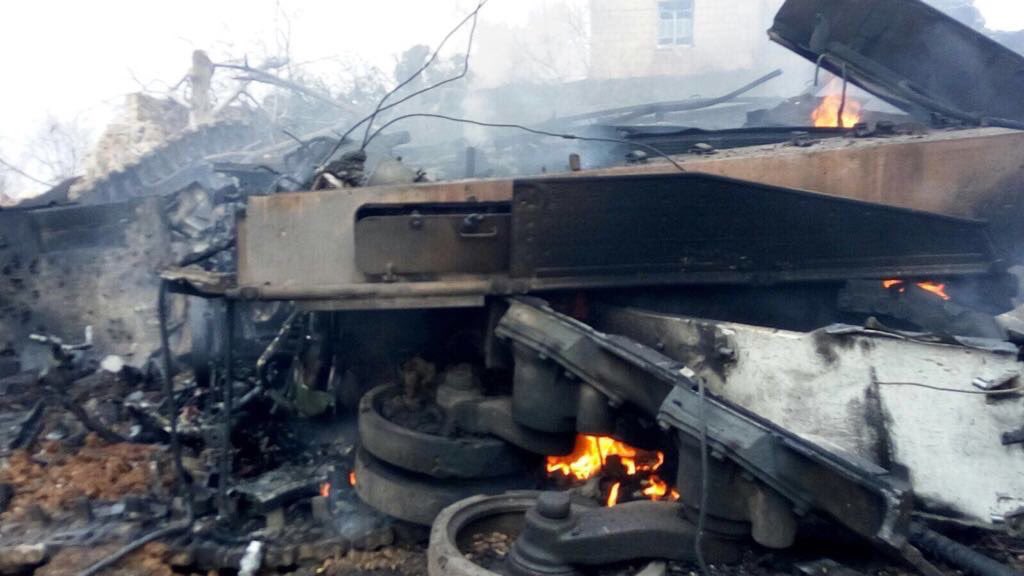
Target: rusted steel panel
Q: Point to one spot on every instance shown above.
(307, 238)
(604, 232)
(971, 173)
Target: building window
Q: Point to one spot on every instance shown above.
(675, 23)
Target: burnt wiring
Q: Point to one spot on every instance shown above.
(134, 545)
(465, 70)
(846, 83)
(370, 134)
(702, 513)
(1001, 391)
(564, 136)
(369, 119)
(168, 390)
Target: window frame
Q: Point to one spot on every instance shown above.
(681, 13)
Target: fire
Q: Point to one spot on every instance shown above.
(613, 495)
(932, 287)
(937, 289)
(826, 115)
(591, 454)
(656, 488)
(325, 488)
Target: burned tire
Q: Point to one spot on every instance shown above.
(434, 455)
(452, 533)
(416, 498)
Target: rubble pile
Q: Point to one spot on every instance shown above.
(223, 352)
(55, 481)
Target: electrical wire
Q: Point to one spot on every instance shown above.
(1014, 390)
(135, 545)
(380, 105)
(564, 136)
(21, 172)
(702, 513)
(465, 70)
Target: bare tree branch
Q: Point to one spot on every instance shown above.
(257, 75)
(21, 172)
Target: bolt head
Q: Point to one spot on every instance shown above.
(554, 505)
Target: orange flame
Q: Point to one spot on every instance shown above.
(352, 478)
(325, 489)
(591, 454)
(656, 488)
(826, 115)
(932, 287)
(613, 495)
(937, 289)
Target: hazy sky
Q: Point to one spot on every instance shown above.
(77, 59)
(1002, 14)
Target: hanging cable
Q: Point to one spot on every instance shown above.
(531, 131)
(702, 513)
(380, 105)
(465, 70)
(842, 102)
(997, 392)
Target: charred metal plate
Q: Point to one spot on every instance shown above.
(416, 242)
(701, 228)
(910, 54)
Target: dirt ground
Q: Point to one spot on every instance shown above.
(55, 476)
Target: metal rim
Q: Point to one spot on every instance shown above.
(445, 558)
(437, 456)
(416, 498)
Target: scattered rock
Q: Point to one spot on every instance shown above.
(22, 558)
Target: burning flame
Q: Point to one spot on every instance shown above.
(937, 289)
(656, 488)
(591, 454)
(613, 495)
(325, 488)
(932, 287)
(826, 115)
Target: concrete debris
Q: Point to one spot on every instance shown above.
(23, 558)
(112, 363)
(250, 563)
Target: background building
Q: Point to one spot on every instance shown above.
(638, 38)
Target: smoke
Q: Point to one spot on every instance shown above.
(1001, 15)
